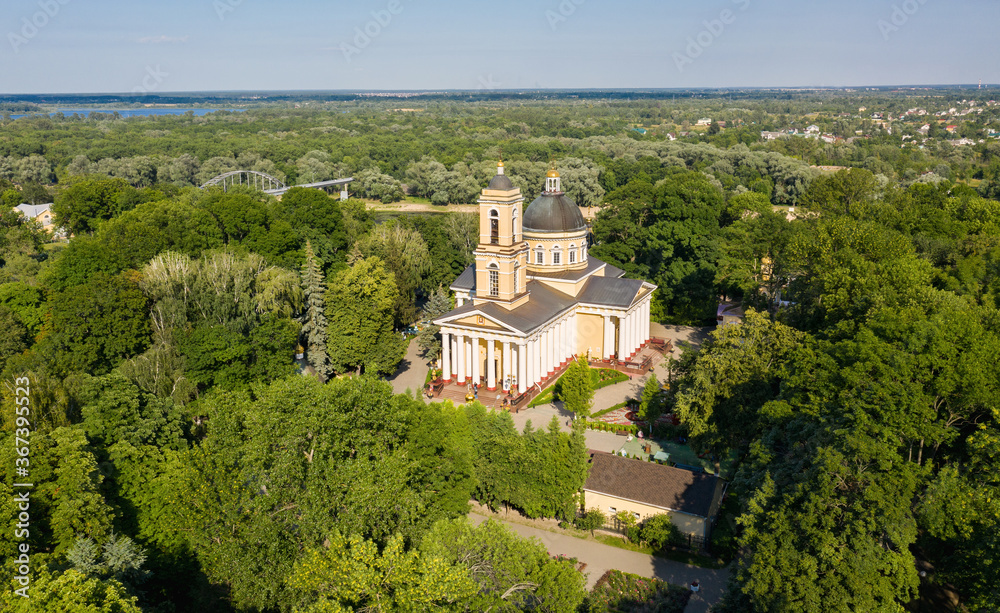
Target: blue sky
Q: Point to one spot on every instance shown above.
(73, 46)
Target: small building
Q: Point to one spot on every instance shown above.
(42, 213)
(729, 314)
(692, 500)
(704, 121)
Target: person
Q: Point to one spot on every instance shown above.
(694, 586)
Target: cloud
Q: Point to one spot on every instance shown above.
(157, 40)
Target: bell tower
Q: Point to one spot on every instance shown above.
(502, 254)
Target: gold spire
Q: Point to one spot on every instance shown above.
(553, 173)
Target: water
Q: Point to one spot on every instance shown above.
(130, 112)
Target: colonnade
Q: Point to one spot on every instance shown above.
(521, 362)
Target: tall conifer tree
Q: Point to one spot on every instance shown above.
(314, 320)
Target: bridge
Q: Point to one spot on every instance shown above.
(270, 185)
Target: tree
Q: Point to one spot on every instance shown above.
(359, 307)
(119, 559)
(659, 531)
(513, 574)
(81, 207)
(284, 466)
(429, 339)
(649, 405)
(70, 592)
(352, 574)
(98, 324)
(735, 375)
(576, 388)
(34, 169)
(626, 519)
(592, 520)
(403, 251)
(78, 506)
(314, 324)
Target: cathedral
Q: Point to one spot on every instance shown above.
(534, 298)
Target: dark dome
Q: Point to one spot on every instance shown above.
(501, 182)
(553, 213)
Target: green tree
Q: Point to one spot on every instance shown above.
(576, 388)
(352, 574)
(650, 405)
(359, 307)
(98, 324)
(81, 207)
(591, 520)
(314, 325)
(659, 531)
(404, 253)
(513, 574)
(71, 592)
(429, 339)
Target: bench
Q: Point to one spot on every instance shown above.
(622, 433)
(435, 387)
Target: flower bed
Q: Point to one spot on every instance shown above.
(618, 592)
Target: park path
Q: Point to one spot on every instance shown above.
(600, 558)
(411, 372)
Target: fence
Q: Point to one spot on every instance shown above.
(692, 542)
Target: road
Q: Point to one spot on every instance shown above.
(600, 558)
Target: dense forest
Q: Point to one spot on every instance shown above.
(180, 461)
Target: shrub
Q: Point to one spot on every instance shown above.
(659, 532)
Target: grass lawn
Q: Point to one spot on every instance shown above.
(599, 377)
(620, 405)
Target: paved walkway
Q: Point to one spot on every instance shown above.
(600, 558)
(411, 372)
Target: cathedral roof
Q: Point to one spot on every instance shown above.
(552, 213)
(500, 182)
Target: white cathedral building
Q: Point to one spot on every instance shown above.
(534, 298)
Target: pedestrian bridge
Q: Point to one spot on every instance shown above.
(271, 185)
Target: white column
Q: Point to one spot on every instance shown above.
(564, 340)
(630, 334)
(446, 356)
(609, 337)
(460, 357)
(543, 359)
(529, 357)
(522, 369)
(574, 334)
(646, 322)
(454, 357)
(553, 349)
(560, 342)
(539, 373)
(622, 339)
(506, 360)
(491, 372)
(476, 361)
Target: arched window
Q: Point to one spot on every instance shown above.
(513, 223)
(494, 279)
(572, 254)
(494, 227)
(583, 252)
(556, 255)
(517, 276)
(539, 255)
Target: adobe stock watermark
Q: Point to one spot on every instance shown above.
(901, 14)
(151, 81)
(562, 13)
(487, 83)
(703, 40)
(364, 35)
(31, 26)
(224, 7)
